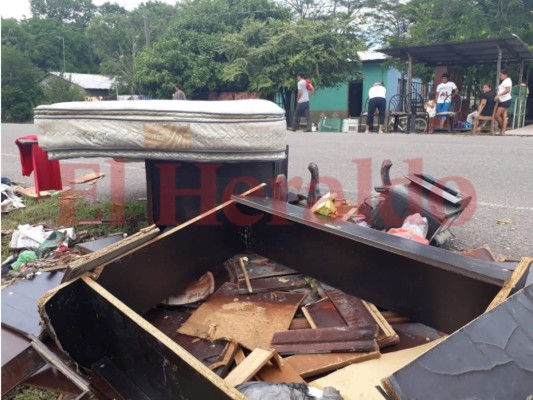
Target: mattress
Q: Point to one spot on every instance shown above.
(163, 129)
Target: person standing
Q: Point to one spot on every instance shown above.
(431, 110)
(376, 101)
(302, 103)
(179, 94)
(504, 100)
(486, 106)
(444, 93)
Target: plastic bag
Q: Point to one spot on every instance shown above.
(275, 391)
(415, 227)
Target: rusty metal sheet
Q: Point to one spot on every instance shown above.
(491, 359)
(427, 284)
(251, 319)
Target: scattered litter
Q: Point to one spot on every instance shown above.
(10, 201)
(31, 192)
(326, 205)
(91, 178)
(415, 227)
(27, 256)
(504, 221)
(31, 237)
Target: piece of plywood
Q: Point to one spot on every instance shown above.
(270, 284)
(251, 320)
(307, 365)
(299, 323)
(359, 381)
(511, 282)
(250, 366)
(351, 308)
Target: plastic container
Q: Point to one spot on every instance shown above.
(330, 125)
(350, 125)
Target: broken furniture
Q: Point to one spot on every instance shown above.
(98, 321)
(440, 204)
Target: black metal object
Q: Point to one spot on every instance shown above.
(430, 285)
(179, 191)
(440, 204)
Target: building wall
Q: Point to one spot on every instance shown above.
(330, 100)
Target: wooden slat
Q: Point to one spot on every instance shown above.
(308, 365)
(323, 314)
(510, 283)
(386, 334)
(249, 367)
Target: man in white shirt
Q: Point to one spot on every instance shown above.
(376, 101)
(302, 104)
(444, 93)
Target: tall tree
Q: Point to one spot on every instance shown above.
(20, 91)
(76, 11)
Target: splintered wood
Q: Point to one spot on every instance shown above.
(251, 319)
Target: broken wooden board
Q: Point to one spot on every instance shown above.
(251, 320)
(19, 302)
(359, 381)
(110, 253)
(261, 285)
(200, 289)
(282, 373)
(412, 334)
(299, 323)
(351, 308)
(323, 314)
(169, 320)
(325, 340)
(386, 335)
(31, 193)
(256, 267)
(250, 366)
(147, 358)
(481, 253)
(307, 365)
(489, 358)
(89, 178)
(94, 245)
(511, 282)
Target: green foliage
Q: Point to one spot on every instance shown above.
(59, 90)
(266, 55)
(65, 11)
(20, 92)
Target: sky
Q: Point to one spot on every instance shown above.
(21, 8)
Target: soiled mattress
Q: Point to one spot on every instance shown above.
(163, 129)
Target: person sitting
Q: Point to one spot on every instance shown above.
(431, 109)
(486, 106)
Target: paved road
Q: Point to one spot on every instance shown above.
(496, 170)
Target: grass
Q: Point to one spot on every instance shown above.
(29, 393)
(48, 211)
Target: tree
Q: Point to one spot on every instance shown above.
(118, 37)
(59, 90)
(66, 11)
(189, 52)
(20, 92)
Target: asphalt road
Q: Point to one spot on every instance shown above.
(496, 171)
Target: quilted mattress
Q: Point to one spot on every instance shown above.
(163, 129)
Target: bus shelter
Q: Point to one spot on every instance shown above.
(509, 49)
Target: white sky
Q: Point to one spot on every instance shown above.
(21, 8)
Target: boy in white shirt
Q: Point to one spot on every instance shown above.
(444, 91)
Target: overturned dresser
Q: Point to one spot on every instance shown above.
(107, 318)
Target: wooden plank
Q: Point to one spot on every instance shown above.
(110, 253)
(308, 365)
(361, 345)
(282, 373)
(250, 366)
(332, 334)
(251, 320)
(269, 284)
(510, 283)
(489, 358)
(299, 323)
(359, 381)
(323, 314)
(54, 360)
(245, 273)
(386, 335)
(351, 308)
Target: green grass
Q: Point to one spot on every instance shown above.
(29, 393)
(47, 211)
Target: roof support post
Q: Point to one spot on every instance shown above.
(498, 67)
(408, 93)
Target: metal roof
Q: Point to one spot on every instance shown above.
(87, 81)
(369, 55)
(471, 52)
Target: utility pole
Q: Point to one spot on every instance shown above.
(63, 41)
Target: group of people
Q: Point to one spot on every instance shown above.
(444, 94)
(488, 102)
